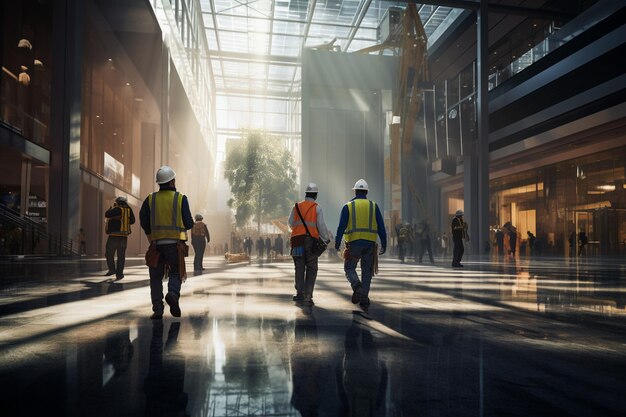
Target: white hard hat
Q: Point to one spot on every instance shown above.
(311, 188)
(460, 213)
(121, 199)
(199, 217)
(361, 185)
(165, 174)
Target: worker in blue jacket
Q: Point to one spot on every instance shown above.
(362, 223)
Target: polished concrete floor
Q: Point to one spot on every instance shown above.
(507, 338)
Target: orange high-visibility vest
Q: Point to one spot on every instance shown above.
(309, 211)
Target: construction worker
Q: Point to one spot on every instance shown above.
(165, 218)
(459, 234)
(200, 237)
(306, 212)
(119, 217)
(361, 222)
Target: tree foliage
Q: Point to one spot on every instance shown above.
(262, 178)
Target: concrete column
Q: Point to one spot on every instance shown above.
(165, 105)
(476, 165)
(65, 174)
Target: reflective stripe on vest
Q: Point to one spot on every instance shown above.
(166, 220)
(309, 211)
(124, 223)
(362, 223)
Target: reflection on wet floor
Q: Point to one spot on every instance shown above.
(518, 339)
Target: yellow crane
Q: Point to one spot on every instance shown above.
(409, 39)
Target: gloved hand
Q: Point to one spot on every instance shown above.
(382, 250)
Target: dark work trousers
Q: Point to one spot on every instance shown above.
(426, 246)
(513, 242)
(306, 270)
(199, 245)
(458, 250)
(116, 244)
(401, 250)
(168, 254)
(360, 250)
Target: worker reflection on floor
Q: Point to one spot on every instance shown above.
(166, 375)
(362, 389)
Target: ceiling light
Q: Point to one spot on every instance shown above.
(606, 187)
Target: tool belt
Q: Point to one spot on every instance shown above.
(153, 258)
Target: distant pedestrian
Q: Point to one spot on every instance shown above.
(82, 241)
(200, 237)
(119, 217)
(247, 243)
(260, 247)
(268, 246)
(459, 234)
(425, 243)
(278, 245)
(531, 241)
(500, 241)
(445, 243)
(403, 233)
(572, 243)
(512, 232)
(582, 242)
(362, 223)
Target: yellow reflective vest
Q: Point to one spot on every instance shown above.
(361, 221)
(124, 220)
(166, 219)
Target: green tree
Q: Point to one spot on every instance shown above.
(262, 178)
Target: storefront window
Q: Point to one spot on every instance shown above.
(26, 68)
(557, 203)
(23, 203)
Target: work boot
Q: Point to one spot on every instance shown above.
(356, 294)
(109, 273)
(172, 300)
(156, 315)
(298, 297)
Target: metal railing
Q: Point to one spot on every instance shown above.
(22, 236)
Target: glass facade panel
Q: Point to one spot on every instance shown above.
(26, 78)
(558, 202)
(115, 105)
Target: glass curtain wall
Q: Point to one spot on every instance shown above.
(449, 110)
(26, 76)
(557, 203)
(25, 95)
(120, 131)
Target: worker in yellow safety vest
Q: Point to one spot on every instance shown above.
(165, 218)
(119, 217)
(362, 223)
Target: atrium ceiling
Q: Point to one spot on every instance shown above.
(256, 45)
